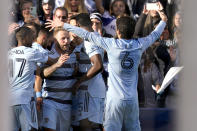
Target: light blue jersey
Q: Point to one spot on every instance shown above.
(96, 85)
(57, 87)
(37, 46)
(124, 57)
(22, 66)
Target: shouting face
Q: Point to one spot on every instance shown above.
(63, 40)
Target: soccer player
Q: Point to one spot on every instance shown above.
(22, 65)
(91, 92)
(58, 80)
(124, 54)
(41, 44)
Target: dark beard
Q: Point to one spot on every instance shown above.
(63, 50)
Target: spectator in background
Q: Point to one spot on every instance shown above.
(175, 61)
(45, 11)
(133, 7)
(151, 20)
(75, 7)
(167, 53)
(97, 24)
(151, 76)
(25, 9)
(117, 8)
(177, 21)
(172, 6)
(61, 14)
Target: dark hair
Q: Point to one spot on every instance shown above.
(126, 26)
(40, 11)
(149, 58)
(152, 1)
(83, 19)
(21, 4)
(36, 26)
(24, 2)
(24, 36)
(62, 9)
(73, 17)
(43, 30)
(127, 11)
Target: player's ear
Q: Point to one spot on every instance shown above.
(118, 34)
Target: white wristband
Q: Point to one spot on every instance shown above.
(38, 94)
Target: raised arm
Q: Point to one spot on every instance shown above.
(84, 34)
(89, 36)
(38, 88)
(150, 39)
(140, 23)
(99, 6)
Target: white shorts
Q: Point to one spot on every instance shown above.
(24, 116)
(85, 106)
(56, 119)
(121, 115)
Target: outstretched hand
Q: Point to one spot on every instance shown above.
(162, 15)
(161, 12)
(53, 23)
(160, 6)
(145, 11)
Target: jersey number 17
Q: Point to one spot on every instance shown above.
(11, 66)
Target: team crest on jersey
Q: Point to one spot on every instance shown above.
(127, 62)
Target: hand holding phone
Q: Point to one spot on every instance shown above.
(33, 12)
(152, 6)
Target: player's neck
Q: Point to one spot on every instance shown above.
(38, 41)
(20, 44)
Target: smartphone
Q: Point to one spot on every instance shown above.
(33, 11)
(152, 6)
(152, 1)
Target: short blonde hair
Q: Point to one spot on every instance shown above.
(58, 29)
